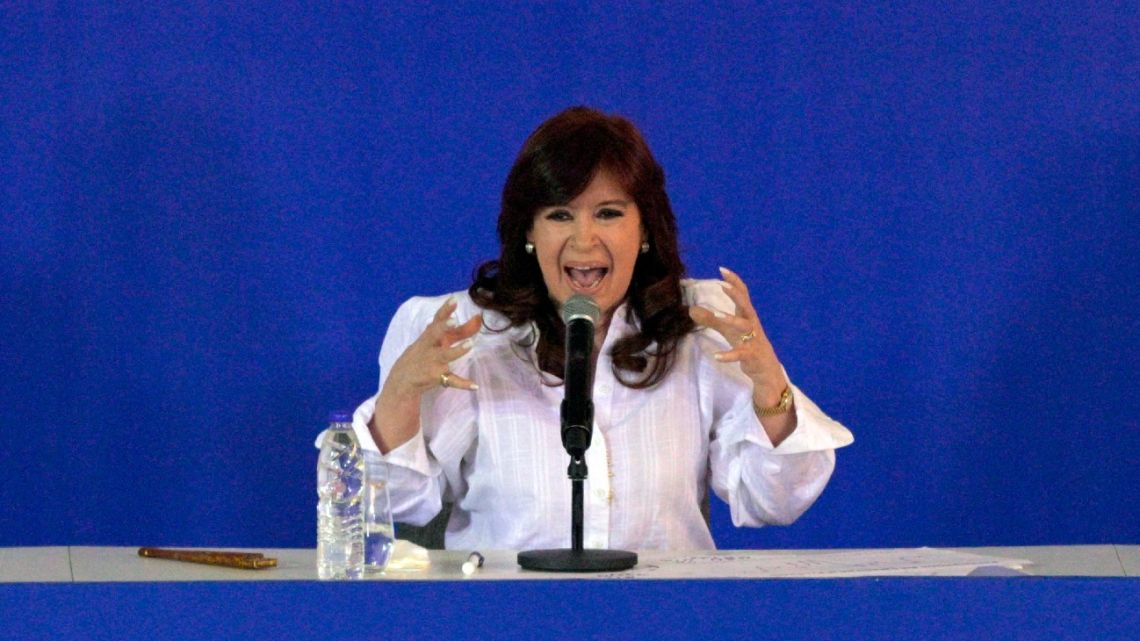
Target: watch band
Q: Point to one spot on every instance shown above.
(781, 406)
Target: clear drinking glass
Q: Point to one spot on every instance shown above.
(379, 531)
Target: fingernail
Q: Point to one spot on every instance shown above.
(451, 322)
(474, 387)
(719, 314)
(467, 343)
(719, 357)
(724, 271)
(451, 301)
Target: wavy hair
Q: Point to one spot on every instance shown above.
(556, 164)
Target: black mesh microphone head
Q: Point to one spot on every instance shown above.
(581, 306)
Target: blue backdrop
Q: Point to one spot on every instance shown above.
(210, 213)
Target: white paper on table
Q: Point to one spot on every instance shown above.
(759, 564)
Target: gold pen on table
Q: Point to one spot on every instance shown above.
(241, 560)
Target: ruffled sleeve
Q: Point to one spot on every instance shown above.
(425, 469)
(762, 484)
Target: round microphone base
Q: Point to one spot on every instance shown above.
(577, 560)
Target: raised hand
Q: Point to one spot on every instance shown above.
(750, 348)
(425, 364)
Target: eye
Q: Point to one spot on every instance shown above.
(608, 213)
(559, 215)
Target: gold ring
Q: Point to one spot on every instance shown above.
(444, 380)
(749, 336)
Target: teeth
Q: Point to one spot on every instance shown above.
(586, 278)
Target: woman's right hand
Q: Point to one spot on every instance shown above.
(423, 365)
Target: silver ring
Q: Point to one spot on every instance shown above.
(749, 336)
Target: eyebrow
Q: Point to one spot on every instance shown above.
(604, 203)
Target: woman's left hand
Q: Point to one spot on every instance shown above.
(750, 347)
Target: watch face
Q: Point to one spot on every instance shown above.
(785, 402)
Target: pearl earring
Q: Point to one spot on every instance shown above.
(645, 247)
(529, 247)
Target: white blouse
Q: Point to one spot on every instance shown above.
(497, 453)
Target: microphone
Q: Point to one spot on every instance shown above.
(580, 314)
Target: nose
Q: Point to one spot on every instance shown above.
(584, 234)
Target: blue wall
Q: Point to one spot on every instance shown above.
(210, 213)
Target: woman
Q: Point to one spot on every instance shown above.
(688, 391)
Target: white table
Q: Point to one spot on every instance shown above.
(121, 564)
(1081, 592)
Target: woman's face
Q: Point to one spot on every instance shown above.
(589, 246)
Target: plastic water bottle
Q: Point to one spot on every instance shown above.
(340, 509)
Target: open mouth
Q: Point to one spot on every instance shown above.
(586, 278)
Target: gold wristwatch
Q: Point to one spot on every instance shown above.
(781, 406)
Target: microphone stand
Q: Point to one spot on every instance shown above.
(577, 429)
(577, 558)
